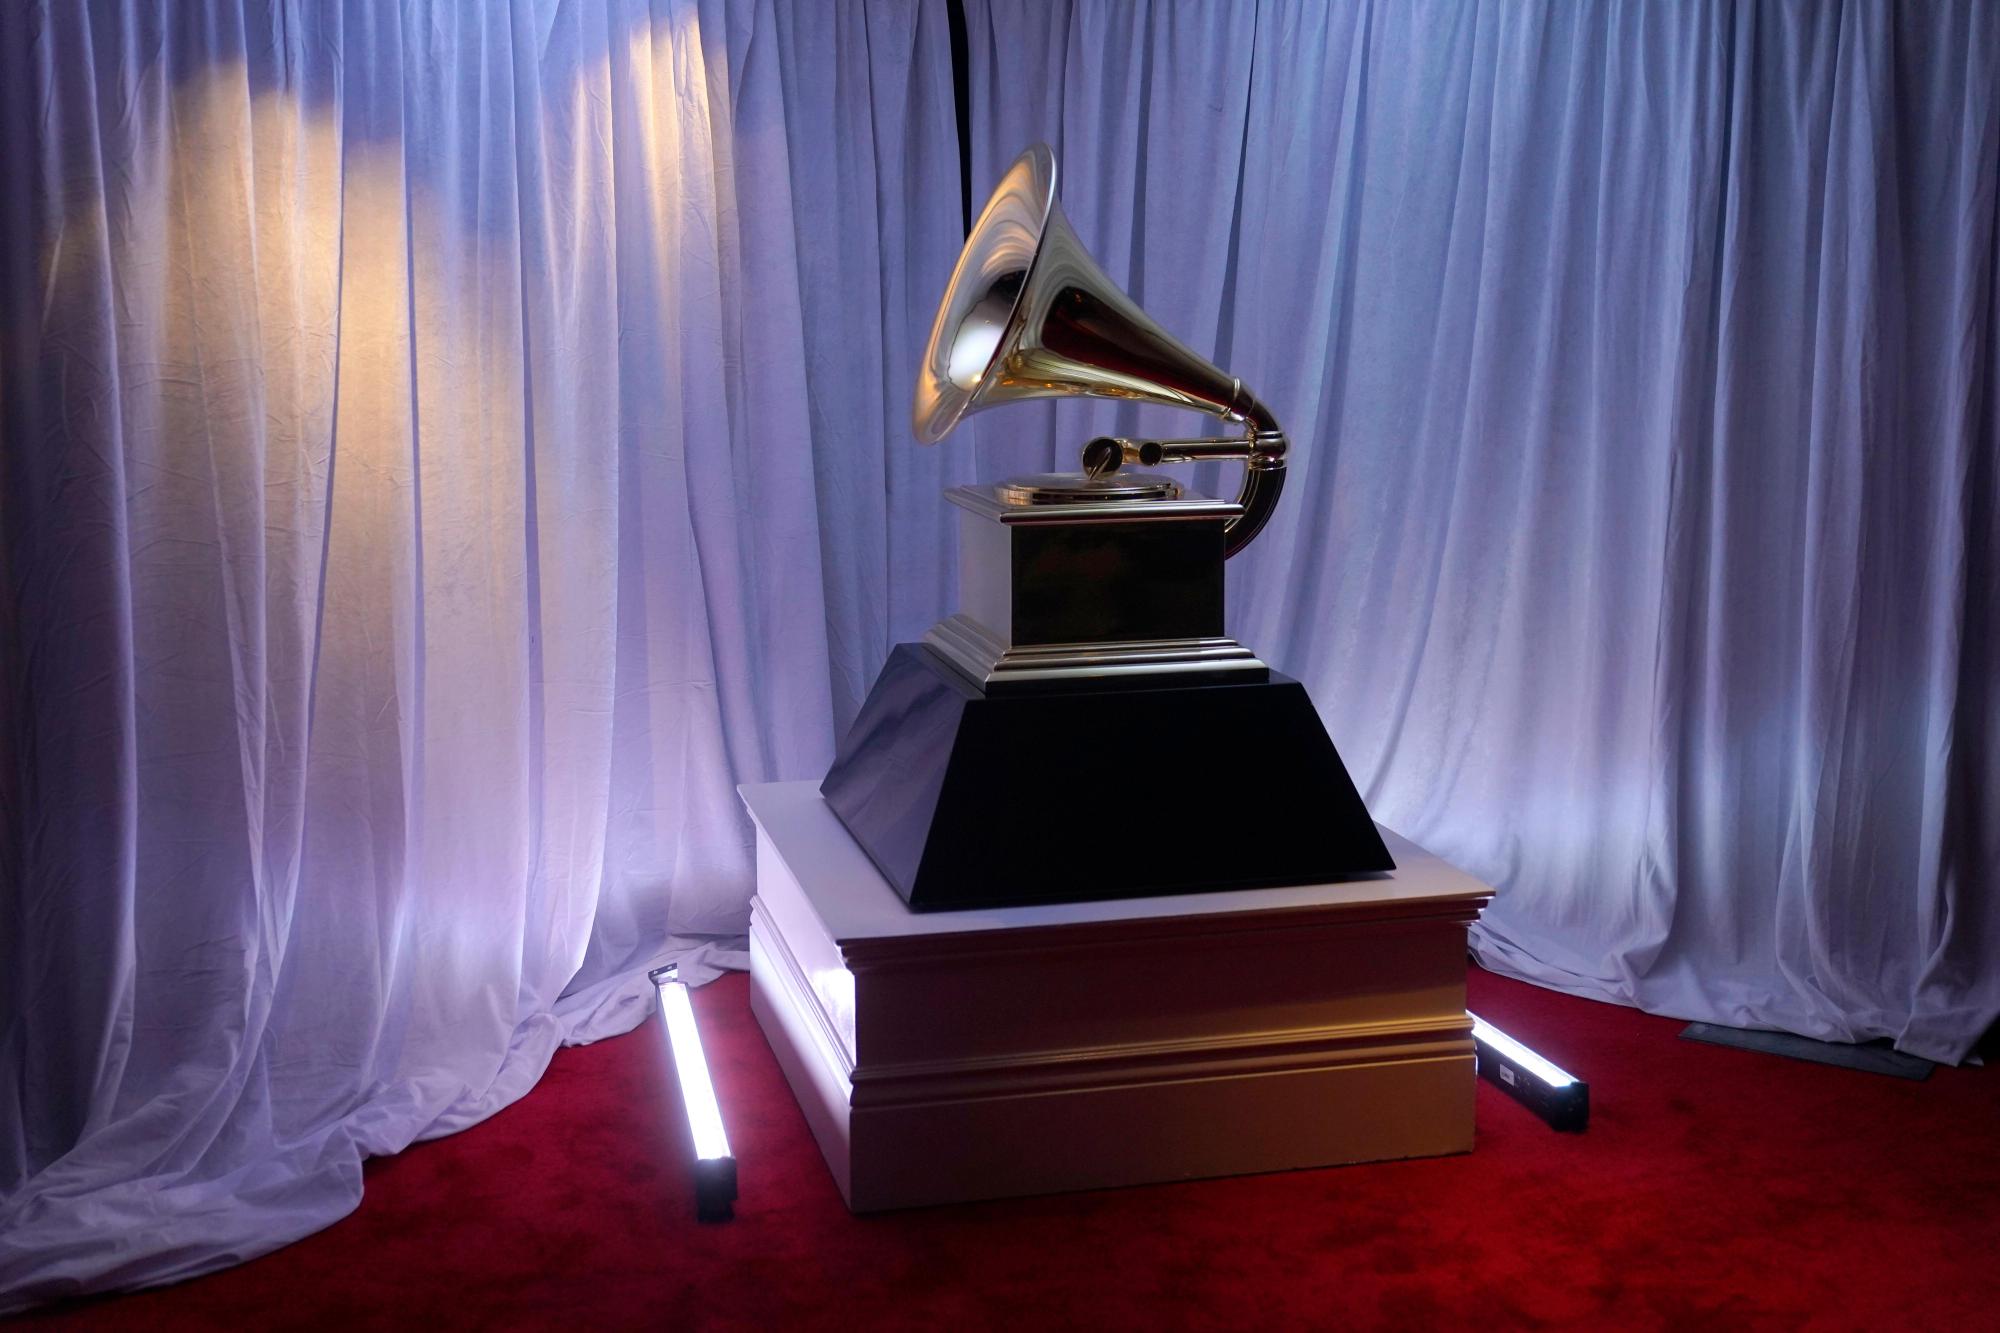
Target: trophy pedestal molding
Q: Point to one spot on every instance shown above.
(1025, 1050)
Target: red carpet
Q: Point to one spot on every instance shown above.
(1716, 1188)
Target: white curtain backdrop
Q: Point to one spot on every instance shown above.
(411, 536)
(1640, 543)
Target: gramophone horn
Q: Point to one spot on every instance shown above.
(1029, 314)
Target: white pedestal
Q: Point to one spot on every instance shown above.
(971, 1055)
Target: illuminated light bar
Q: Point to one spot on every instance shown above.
(714, 1166)
(1556, 1095)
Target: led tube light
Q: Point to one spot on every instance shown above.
(1554, 1094)
(715, 1166)
(1505, 1045)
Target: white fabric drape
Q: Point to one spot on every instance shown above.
(1640, 544)
(874, 187)
(410, 537)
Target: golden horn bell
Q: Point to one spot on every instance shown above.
(1029, 314)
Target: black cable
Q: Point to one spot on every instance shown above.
(961, 95)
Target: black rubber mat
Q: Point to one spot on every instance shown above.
(1871, 1059)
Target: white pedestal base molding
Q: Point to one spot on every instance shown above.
(971, 1055)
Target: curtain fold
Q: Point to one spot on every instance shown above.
(1639, 543)
(411, 533)
(873, 171)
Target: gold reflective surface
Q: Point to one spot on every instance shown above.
(1028, 314)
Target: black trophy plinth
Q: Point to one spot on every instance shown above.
(968, 798)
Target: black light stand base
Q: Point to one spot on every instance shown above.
(714, 1189)
(964, 799)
